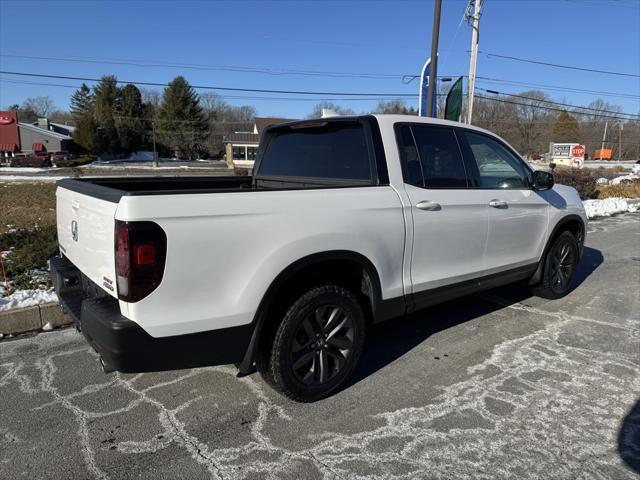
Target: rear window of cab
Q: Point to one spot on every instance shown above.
(317, 150)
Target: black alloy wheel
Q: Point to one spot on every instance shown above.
(322, 345)
(559, 268)
(316, 345)
(563, 265)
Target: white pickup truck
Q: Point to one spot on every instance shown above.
(345, 222)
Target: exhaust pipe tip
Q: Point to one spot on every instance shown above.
(106, 368)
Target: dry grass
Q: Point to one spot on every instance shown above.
(24, 205)
(626, 190)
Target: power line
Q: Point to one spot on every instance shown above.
(208, 87)
(603, 4)
(556, 65)
(197, 66)
(239, 97)
(365, 96)
(406, 78)
(557, 103)
(494, 99)
(556, 87)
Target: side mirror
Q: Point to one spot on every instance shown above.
(542, 180)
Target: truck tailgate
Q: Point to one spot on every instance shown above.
(86, 235)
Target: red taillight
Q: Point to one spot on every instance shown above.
(145, 255)
(140, 253)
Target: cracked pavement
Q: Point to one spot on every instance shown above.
(496, 385)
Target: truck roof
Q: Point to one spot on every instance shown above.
(385, 119)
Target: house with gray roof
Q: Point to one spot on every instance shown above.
(241, 147)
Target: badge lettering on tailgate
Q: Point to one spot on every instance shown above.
(74, 230)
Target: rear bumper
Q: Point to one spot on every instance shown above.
(124, 345)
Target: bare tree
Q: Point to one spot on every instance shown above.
(593, 122)
(498, 117)
(533, 121)
(151, 97)
(42, 107)
(394, 106)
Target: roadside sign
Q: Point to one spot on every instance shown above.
(578, 151)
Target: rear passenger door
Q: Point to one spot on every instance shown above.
(450, 222)
(518, 216)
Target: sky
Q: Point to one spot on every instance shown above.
(388, 39)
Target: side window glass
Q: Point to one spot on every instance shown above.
(439, 156)
(498, 167)
(409, 157)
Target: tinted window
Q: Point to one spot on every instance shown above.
(335, 150)
(431, 157)
(498, 167)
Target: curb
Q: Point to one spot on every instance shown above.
(27, 319)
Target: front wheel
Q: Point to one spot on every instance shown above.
(317, 345)
(559, 268)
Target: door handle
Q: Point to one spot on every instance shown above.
(429, 206)
(497, 203)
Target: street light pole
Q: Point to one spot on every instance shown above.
(604, 138)
(434, 56)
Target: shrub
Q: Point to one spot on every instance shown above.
(625, 190)
(75, 162)
(29, 252)
(581, 179)
(241, 172)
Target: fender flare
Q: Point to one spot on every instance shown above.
(535, 278)
(281, 279)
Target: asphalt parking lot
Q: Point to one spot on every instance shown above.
(497, 385)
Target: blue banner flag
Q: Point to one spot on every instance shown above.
(423, 111)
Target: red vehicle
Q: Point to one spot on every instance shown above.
(61, 155)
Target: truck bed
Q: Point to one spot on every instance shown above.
(114, 188)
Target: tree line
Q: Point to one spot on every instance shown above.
(120, 120)
(530, 121)
(116, 120)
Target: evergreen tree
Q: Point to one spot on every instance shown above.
(130, 119)
(566, 128)
(180, 121)
(81, 102)
(86, 133)
(106, 103)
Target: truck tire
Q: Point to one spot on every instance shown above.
(559, 267)
(317, 345)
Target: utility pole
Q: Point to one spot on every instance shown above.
(434, 56)
(620, 142)
(475, 35)
(155, 155)
(604, 137)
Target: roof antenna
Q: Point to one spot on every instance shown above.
(327, 112)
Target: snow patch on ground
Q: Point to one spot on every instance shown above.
(117, 166)
(24, 169)
(608, 206)
(625, 179)
(27, 298)
(29, 178)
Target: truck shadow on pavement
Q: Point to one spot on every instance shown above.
(629, 439)
(390, 340)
